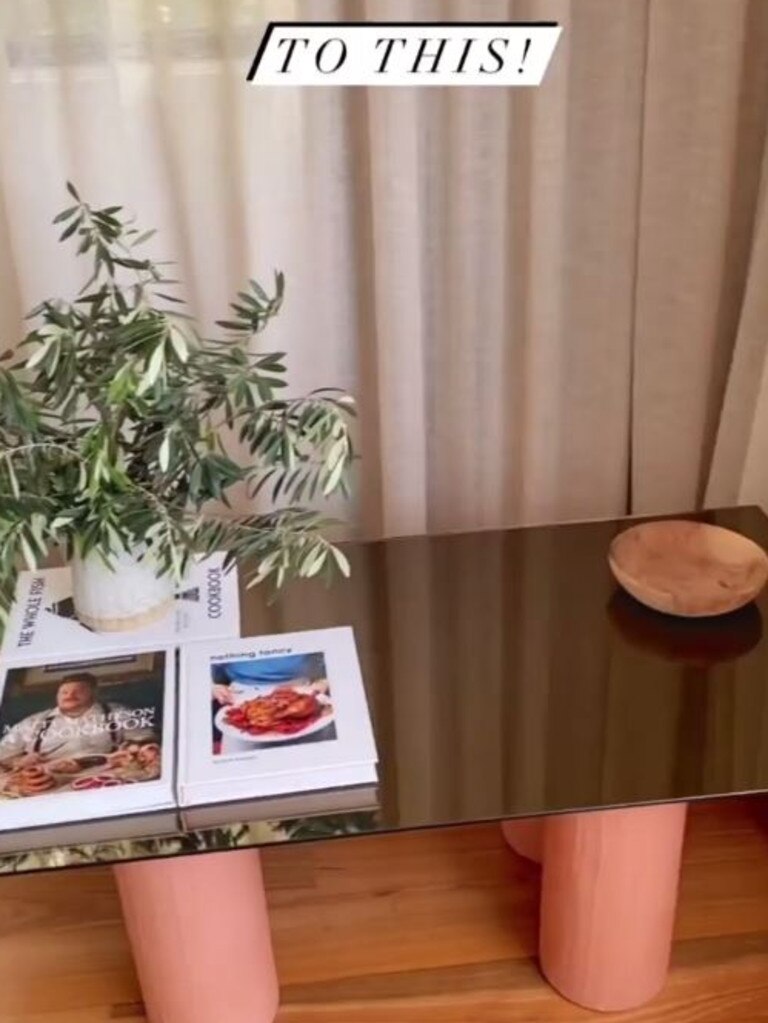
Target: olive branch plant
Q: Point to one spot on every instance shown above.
(121, 424)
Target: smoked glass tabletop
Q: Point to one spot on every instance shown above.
(508, 676)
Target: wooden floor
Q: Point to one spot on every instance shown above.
(436, 927)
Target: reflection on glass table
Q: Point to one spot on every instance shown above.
(238, 836)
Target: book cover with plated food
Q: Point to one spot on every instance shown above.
(280, 721)
(42, 621)
(85, 741)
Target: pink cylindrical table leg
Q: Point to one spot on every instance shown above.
(525, 837)
(608, 900)
(199, 932)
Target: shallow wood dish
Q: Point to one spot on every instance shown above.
(690, 569)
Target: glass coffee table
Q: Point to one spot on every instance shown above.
(509, 680)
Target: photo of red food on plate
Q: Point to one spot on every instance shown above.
(285, 710)
(32, 776)
(281, 699)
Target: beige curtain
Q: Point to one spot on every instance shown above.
(551, 303)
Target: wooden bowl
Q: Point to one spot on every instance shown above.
(690, 569)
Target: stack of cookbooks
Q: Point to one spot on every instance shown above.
(108, 736)
(88, 720)
(273, 727)
(87, 749)
(43, 617)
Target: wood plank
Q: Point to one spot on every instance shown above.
(435, 926)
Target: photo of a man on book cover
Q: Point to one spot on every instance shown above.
(266, 701)
(76, 727)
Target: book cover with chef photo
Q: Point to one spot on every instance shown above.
(42, 620)
(87, 739)
(273, 716)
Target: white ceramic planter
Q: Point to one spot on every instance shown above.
(128, 596)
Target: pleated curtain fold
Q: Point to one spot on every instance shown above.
(551, 303)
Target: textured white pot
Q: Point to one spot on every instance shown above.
(128, 596)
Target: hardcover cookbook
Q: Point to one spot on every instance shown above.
(84, 742)
(280, 722)
(43, 619)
